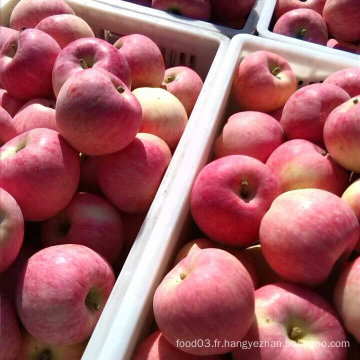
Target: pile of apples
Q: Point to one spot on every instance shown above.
(275, 271)
(230, 13)
(333, 23)
(87, 131)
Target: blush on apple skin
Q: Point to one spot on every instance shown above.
(11, 104)
(230, 11)
(8, 130)
(348, 79)
(283, 6)
(5, 33)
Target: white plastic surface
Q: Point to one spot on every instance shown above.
(249, 27)
(265, 24)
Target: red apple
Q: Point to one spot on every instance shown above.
(343, 45)
(141, 2)
(8, 130)
(11, 104)
(208, 296)
(231, 10)
(263, 82)
(249, 133)
(305, 232)
(229, 198)
(41, 171)
(62, 292)
(145, 60)
(348, 79)
(283, 6)
(276, 114)
(26, 64)
(96, 113)
(89, 174)
(5, 33)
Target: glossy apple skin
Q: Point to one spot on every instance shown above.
(8, 130)
(347, 297)
(303, 24)
(28, 13)
(145, 60)
(229, 198)
(25, 73)
(88, 220)
(283, 6)
(300, 164)
(94, 116)
(231, 10)
(11, 230)
(5, 33)
(156, 347)
(283, 310)
(89, 53)
(11, 104)
(348, 79)
(270, 85)
(208, 295)
(10, 335)
(342, 133)
(185, 84)
(249, 133)
(195, 9)
(305, 232)
(343, 45)
(130, 178)
(163, 114)
(342, 18)
(43, 193)
(305, 112)
(62, 292)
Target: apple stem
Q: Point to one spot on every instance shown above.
(182, 276)
(244, 192)
(46, 354)
(324, 153)
(301, 34)
(275, 71)
(296, 333)
(169, 79)
(120, 89)
(83, 64)
(356, 101)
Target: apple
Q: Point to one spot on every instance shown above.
(305, 232)
(303, 24)
(163, 114)
(156, 347)
(65, 28)
(88, 220)
(347, 297)
(130, 178)
(342, 133)
(5, 33)
(8, 130)
(62, 292)
(249, 133)
(283, 6)
(263, 82)
(11, 104)
(10, 335)
(141, 2)
(96, 112)
(292, 322)
(300, 164)
(185, 84)
(343, 45)
(88, 53)
(342, 18)
(195, 9)
(231, 10)
(89, 174)
(145, 60)
(348, 79)
(306, 110)
(41, 171)
(208, 295)
(26, 62)
(229, 198)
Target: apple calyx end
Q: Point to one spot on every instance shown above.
(182, 276)
(45, 354)
(296, 334)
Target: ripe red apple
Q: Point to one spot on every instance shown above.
(249, 133)
(300, 164)
(185, 84)
(208, 295)
(26, 63)
(343, 45)
(62, 292)
(348, 79)
(96, 113)
(11, 104)
(305, 232)
(130, 178)
(88, 220)
(347, 297)
(7, 127)
(163, 114)
(271, 83)
(28, 13)
(5, 33)
(145, 60)
(141, 2)
(306, 110)
(342, 134)
(229, 198)
(41, 171)
(231, 10)
(342, 18)
(303, 24)
(195, 9)
(89, 174)
(295, 323)
(88, 53)
(283, 6)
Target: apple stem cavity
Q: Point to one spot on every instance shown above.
(83, 157)
(244, 191)
(296, 334)
(174, 10)
(301, 33)
(356, 101)
(83, 64)
(92, 300)
(182, 276)
(324, 153)
(276, 71)
(12, 50)
(120, 89)
(20, 147)
(169, 79)
(45, 354)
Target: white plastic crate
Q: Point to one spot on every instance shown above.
(249, 28)
(134, 317)
(204, 51)
(264, 28)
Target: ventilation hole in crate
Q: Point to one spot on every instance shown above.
(172, 58)
(192, 62)
(163, 52)
(182, 59)
(300, 83)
